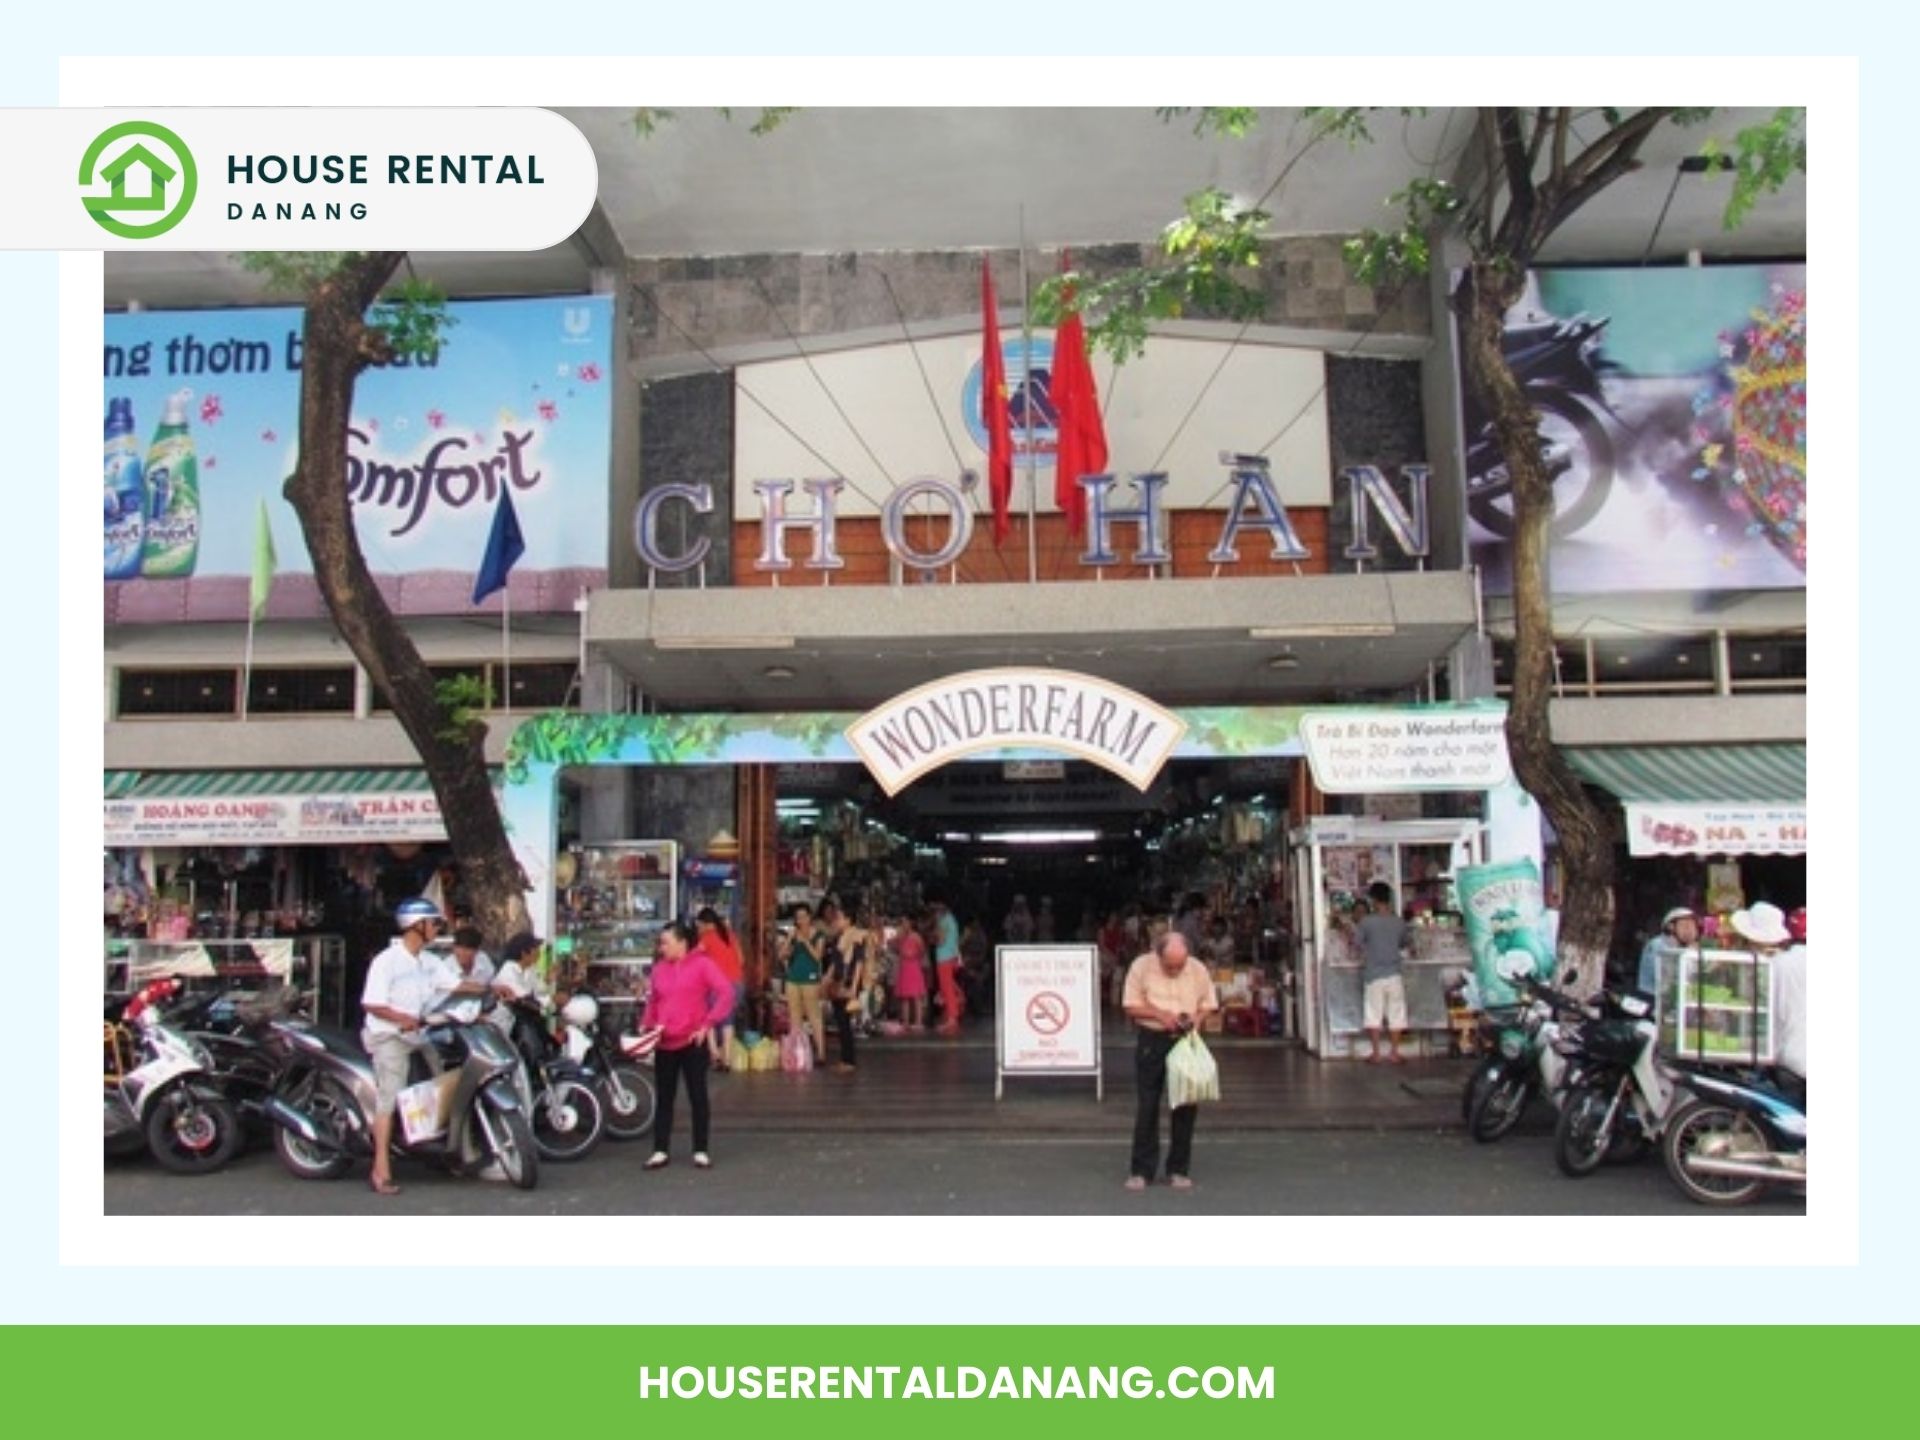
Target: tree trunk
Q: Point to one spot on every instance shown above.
(1582, 828)
(338, 346)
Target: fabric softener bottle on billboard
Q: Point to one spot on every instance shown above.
(172, 542)
(125, 501)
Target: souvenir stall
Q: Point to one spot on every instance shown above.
(1335, 859)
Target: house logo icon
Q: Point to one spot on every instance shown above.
(149, 175)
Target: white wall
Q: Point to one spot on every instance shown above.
(1260, 389)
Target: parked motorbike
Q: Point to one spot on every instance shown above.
(1559, 366)
(1520, 1060)
(562, 1095)
(1616, 1095)
(624, 1084)
(324, 1105)
(246, 1059)
(1732, 1136)
(160, 1093)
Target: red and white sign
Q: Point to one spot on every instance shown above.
(1716, 829)
(275, 819)
(1049, 1005)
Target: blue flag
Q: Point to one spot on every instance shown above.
(504, 549)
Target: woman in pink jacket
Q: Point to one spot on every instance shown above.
(688, 997)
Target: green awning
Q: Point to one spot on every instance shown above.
(119, 782)
(203, 784)
(1697, 774)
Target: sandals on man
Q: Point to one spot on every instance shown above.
(382, 1187)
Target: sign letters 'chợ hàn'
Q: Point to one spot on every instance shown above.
(1253, 504)
(1053, 711)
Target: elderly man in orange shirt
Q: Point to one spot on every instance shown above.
(1167, 994)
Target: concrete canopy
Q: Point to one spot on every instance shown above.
(812, 647)
(877, 179)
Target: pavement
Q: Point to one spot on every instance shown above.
(917, 1131)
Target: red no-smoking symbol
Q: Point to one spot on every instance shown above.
(1047, 1012)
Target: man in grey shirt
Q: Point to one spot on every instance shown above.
(1383, 939)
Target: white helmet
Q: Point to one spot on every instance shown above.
(581, 1010)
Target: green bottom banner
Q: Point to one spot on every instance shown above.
(514, 1378)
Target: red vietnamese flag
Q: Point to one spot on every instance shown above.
(1082, 445)
(993, 409)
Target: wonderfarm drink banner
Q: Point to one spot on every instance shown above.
(202, 428)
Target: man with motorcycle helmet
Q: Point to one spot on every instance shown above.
(400, 984)
(1679, 930)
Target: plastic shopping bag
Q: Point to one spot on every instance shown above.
(765, 1055)
(1192, 1075)
(796, 1052)
(738, 1057)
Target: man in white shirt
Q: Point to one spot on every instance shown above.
(400, 985)
(464, 978)
(517, 979)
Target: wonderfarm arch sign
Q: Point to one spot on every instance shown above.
(1055, 711)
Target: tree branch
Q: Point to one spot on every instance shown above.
(1517, 226)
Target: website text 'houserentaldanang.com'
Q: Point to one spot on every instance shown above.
(958, 1382)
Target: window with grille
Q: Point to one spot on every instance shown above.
(314, 690)
(178, 692)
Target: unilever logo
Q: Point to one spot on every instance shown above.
(1029, 397)
(152, 180)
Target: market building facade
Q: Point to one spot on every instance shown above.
(748, 481)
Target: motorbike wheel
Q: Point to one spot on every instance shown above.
(1703, 1128)
(1579, 1140)
(329, 1106)
(1499, 1108)
(1580, 491)
(628, 1093)
(573, 1133)
(513, 1148)
(191, 1133)
(1477, 1083)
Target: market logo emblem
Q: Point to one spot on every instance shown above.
(140, 178)
(1029, 398)
(1051, 710)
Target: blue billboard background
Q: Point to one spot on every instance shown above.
(519, 398)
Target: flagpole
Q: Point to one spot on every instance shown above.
(506, 647)
(246, 669)
(1026, 404)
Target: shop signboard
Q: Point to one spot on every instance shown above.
(319, 819)
(517, 402)
(1359, 752)
(1654, 829)
(1080, 716)
(1048, 1022)
(1504, 911)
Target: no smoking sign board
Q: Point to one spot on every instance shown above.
(1048, 1012)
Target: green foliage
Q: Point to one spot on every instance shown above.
(1230, 120)
(1211, 247)
(1390, 257)
(648, 120)
(413, 314)
(1765, 157)
(1349, 122)
(461, 699)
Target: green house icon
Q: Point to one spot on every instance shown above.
(159, 176)
(150, 184)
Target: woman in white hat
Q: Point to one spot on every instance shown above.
(1764, 928)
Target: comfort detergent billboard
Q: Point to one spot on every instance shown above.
(202, 411)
